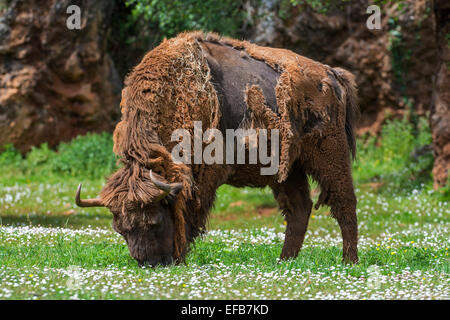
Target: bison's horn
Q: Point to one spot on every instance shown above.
(172, 188)
(87, 202)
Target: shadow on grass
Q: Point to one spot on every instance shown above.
(72, 221)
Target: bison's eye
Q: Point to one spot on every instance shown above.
(155, 220)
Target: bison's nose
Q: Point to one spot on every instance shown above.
(156, 261)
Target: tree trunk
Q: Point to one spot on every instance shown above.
(440, 112)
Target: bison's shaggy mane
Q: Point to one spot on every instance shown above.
(172, 87)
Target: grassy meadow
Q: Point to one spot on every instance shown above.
(51, 249)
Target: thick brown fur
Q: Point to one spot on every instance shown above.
(172, 87)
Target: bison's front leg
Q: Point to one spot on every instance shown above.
(293, 198)
(345, 214)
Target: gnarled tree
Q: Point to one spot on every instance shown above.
(440, 112)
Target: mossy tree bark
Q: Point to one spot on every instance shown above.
(440, 111)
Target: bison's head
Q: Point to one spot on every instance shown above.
(149, 227)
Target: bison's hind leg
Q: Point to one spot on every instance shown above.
(294, 200)
(332, 169)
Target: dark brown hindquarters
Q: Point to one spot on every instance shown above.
(330, 166)
(326, 157)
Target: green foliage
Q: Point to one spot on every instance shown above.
(3, 5)
(400, 54)
(39, 157)
(444, 192)
(10, 156)
(401, 4)
(285, 9)
(88, 156)
(393, 161)
(171, 17)
(322, 7)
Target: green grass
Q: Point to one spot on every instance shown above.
(51, 249)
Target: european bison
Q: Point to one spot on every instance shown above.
(160, 205)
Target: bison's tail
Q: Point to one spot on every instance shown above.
(347, 79)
